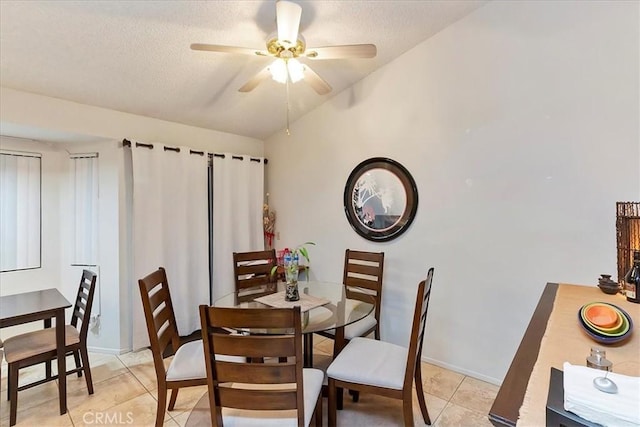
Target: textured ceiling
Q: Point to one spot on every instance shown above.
(134, 56)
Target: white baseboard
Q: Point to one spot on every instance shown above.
(105, 350)
(463, 371)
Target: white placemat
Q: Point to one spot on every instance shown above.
(306, 302)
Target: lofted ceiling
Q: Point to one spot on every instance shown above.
(134, 56)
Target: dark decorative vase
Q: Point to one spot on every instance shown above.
(291, 278)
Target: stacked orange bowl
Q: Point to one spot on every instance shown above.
(605, 323)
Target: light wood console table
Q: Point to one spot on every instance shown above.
(555, 336)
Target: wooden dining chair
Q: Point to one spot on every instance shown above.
(259, 394)
(253, 269)
(187, 367)
(384, 368)
(37, 347)
(362, 278)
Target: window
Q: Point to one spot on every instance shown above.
(85, 208)
(20, 202)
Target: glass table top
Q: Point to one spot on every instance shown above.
(338, 311)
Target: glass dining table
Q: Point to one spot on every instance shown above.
(324, 305)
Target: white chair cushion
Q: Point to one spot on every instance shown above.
(188, 362)
(371, 362)
(357, 329)
(312, 380)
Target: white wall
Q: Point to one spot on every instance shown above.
(82, 122)
(520, 125)
(22, 108)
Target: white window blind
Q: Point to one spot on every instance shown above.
(85, 208)
(20, 227)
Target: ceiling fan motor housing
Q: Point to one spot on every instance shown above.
(276, 48)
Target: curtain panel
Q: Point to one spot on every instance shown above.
(170, 229)
(238, 195)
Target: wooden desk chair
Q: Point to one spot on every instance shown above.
(383, 368)
(253, 269)
(259, 394)
(187, 367)
(37, 347)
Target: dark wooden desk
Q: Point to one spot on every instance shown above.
(506, 407)
(40, 305)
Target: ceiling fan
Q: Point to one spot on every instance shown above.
(286, 45)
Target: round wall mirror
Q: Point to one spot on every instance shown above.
(380, 199)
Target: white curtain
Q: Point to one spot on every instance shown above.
(170, 229)
(19, 211)
(85, 208)
(238, 195)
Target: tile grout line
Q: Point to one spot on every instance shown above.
(147, 390)
(462, 405)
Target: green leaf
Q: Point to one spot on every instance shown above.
(304, 253)
(273, 270)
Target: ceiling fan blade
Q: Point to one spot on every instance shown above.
(288, 21)
(226, 49)
(315, 81)
(255, 80)
(344, 51)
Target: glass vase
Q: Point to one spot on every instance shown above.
(291, 279)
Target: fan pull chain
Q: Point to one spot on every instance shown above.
(287, 86)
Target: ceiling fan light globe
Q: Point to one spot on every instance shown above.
(278, 70)
(296, 70)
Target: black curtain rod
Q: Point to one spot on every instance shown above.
(127, 143)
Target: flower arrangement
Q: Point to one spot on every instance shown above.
(291, 270)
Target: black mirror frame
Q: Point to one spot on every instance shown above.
(410, 189)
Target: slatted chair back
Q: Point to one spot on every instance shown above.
(417, 329)
(280, 385)
(252, 274)
(159, 317)
(252, 269)
(84, 301)
(364, 270)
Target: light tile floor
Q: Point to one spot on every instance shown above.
(125, 394)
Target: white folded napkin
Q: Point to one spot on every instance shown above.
(583, 399)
